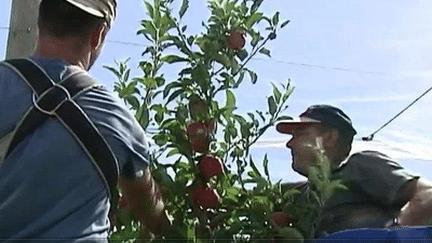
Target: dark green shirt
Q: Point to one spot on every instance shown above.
(374, 197)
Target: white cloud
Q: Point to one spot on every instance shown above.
(400, 145)
(396, 144)
(370, 99)
(426, 74)
(270, 143)
(401, 43)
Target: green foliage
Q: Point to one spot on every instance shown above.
(210, 69)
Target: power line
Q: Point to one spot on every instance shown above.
(283, 62)
(126, 43)
(324, 67)
(370, 137)
(262, 59)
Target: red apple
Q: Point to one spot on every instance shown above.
(281, 219)
(123, 203)
(210, 166)
(198, 137)
(236, 40)
(206, 197)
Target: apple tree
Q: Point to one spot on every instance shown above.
(212, 187)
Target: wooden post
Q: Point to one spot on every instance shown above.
(23, 30)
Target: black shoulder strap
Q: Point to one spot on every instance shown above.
(55, 100)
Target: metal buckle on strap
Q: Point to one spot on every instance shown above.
(53, 111)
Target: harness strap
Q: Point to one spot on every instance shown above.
(54, 100)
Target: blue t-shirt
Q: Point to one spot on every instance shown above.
(49, 187)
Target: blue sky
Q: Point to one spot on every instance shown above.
(369, 57)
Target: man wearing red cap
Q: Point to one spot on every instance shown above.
(377, 187)
(52, 186)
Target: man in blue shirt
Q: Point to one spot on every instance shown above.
(50, 188)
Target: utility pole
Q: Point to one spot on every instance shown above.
(23, 28)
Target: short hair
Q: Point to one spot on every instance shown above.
(60, 19)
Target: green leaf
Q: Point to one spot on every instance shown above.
(272, 36)
(143, 117)
(149, 29)
(230, 99)
(228, 79)
(172, 152)
(268, 21)
(222, 59)
(256, 5)
(280, 118)
(285, 23)
(242, 54)
(272, 105)
(265, 51)
(275, 19)
(150, 10)
(276, 93)
(146, 67)
(183, 8)
(292, 234)
(262, 184)
(251, 20)
(245, 130)
(251, 115)
(233, 133)
(157, 13)
(253, 76)
(288, 91)
(158, 108)
(160, 81)
(190, 233)
(126, 75)
(174, 95)
(265, 165)
(181, 113)
(254, 168)
(173, 59)
(113, 70)
(239, 80)
(133, 101)
(185, 71)
(166, 24)
(128, 90)
(149, 83)
(290, 193)
(149, 49)
(256, 37)
(159, 117)
(200, 75)
(160, 139)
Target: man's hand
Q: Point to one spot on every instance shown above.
(418, 211)
(146, 202)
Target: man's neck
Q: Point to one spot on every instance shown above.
(68, 49)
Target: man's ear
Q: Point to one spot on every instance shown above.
(98, 36)
(331, 138)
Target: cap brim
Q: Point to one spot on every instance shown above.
(288, 126)
(85, 7)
